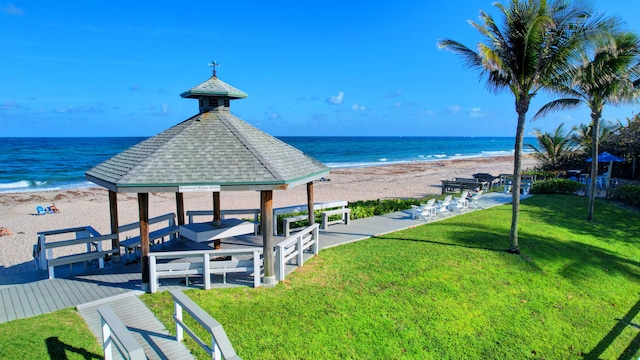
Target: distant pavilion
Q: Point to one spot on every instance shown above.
(213, 151)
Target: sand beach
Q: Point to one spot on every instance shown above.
(90, 206)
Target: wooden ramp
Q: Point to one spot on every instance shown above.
(140, 321)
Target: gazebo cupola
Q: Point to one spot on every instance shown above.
(214, 94)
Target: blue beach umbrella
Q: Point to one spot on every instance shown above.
(606, 157)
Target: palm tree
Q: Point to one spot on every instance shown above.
(535, 40)
(554, 149)
(609, 74)
(582, 134)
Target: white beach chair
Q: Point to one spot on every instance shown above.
(442, 207)
(460, 204)
(474, 201)
(424, 211)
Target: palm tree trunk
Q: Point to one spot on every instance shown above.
(595, 118)
(522, 106)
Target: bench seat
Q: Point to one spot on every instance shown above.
(286, 223)
(345, 212)
(134, 242)
(78, 258)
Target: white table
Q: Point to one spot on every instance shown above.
(201, 232)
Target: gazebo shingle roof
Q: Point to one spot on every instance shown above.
(212, 148)
(214, 87)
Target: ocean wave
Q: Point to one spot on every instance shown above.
(35, 186)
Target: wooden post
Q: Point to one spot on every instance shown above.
(180, 207)
(113, 214)
(143, 211)
(217, 219)
(266, 219)
(312, 215)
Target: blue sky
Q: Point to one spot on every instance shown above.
(335, 68)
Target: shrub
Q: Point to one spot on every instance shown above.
(628, 194)
(556, 186)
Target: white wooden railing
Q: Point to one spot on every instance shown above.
(198, 262)
(294, 247)
(115, 336)
(220, 347)
(87, 235)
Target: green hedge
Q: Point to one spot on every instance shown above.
(556, 186)
(628, 194)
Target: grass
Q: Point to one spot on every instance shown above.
(448, 291)
(59, 335)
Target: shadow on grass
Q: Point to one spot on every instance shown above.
(617, 329)
(58, 350)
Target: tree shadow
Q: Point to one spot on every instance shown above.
(615, 331)
(58, 350)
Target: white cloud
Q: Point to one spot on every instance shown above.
(397, 105)
(164, 110)
(427, 112)
(336, 100)
(393, 94)
(274, 116)
(358, 107)
(9, 105)
(11, 9)
(454, 109)
(476, 112)
(76, 109)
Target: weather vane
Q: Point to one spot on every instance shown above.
(214, 65)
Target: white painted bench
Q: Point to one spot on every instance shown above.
(187, 263)
(288, 221)
(294, 247)
(221, 347)
(114, 329)
(303, 208)
(132, 245)
(345, 212)
(43, 251)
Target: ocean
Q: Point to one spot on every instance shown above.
(38, 164)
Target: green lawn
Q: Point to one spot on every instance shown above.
(59, 335)
(448, 291)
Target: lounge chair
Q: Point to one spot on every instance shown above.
(442, 207)
(40, 210)
(474, 200)
(424, 211)
(460, 204)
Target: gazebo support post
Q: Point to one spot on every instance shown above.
(217, 219)
(180, 207)
(312, 216)
(113, 214)
(266, 220)
(143, 210)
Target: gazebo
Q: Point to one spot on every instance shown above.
(213, 151)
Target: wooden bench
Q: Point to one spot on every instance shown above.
(43, 251)
(325, 205)
(187, 263)
(286, 223)
(345, 212)
(132, 245)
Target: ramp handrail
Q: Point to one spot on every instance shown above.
(221, 347)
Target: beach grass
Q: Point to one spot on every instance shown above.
(59, 335)
(448, 290)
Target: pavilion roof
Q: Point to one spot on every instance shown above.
(209, 149)
(214, 87)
